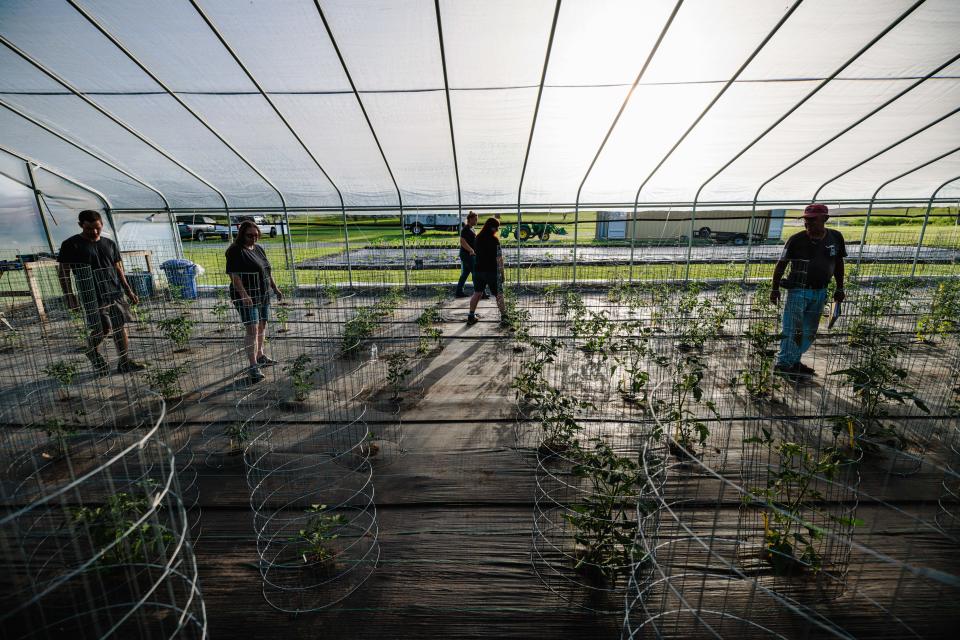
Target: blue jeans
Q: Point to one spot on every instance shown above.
(801, 318)
(467, 263)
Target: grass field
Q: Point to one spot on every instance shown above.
(318, 236)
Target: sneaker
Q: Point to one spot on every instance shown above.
(472, 320)
(256, 375)
(804, 370)
(485, 296)
(506, 324)
(785, 369)
(266, 361)
(460, 294)
(130, 366)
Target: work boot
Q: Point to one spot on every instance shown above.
(100, 366)
(130, 366)
(804, 370)
(788, 370)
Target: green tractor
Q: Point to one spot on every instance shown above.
(528, 230)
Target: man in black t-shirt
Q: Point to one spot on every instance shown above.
(815, 255)
(96, 263)
(468, 252)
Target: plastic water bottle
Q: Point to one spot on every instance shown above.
(373, 353)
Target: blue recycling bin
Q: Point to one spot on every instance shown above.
(142, 283)
(182, 277)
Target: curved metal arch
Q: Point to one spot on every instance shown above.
(30, 162)
(729, 83)
(446, 91)
(286, 123)
(526, 155)
(874, 156)
(119, 45)
(852, 126)
(613, 125)
(76, 145)
(96, 156)
(376, 139)
(80, 185)
(117, 121)
(923, 229)
(866, 224)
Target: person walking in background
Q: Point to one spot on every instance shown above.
(251, 281)
(815, 255)
(468, 252)
(101, 299)
(488, 269)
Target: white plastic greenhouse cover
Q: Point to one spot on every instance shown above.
(381, 103)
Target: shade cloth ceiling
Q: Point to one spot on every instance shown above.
(381, 103)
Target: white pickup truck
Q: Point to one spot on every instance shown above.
(417, 223)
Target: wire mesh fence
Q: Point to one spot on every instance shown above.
(673, 466)
(95, 537)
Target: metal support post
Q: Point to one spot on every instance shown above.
(40, 205)
(346, 245)
(923, 228)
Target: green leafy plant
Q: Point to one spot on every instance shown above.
(944, 312)
(220, 310)
(793, 541)
(116, 523)
(605, 523)
(361, 327)
(178, 329)
(238, 435)
(529, 383)
(519, 319)
(434, 335)
(886, 299)
(63, 372)
(876, 379)
(283, 317)
(10, 340)
(78, 326)
(558, 413)
(321, 529)
(633, 356)
(397, 373)
(165, 380)
(762, 337)
(596, 329)
(140, 315)
(329, 293)
(694, 321)
(58, 431)
(301, 376)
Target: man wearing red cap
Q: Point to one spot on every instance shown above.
(815, 255)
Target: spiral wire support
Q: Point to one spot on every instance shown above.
(693, 580)
(95, 538)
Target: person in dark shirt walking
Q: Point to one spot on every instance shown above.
(468, 252)
(251, 281)
(488, 270)
(96, 263)
(815, 255)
